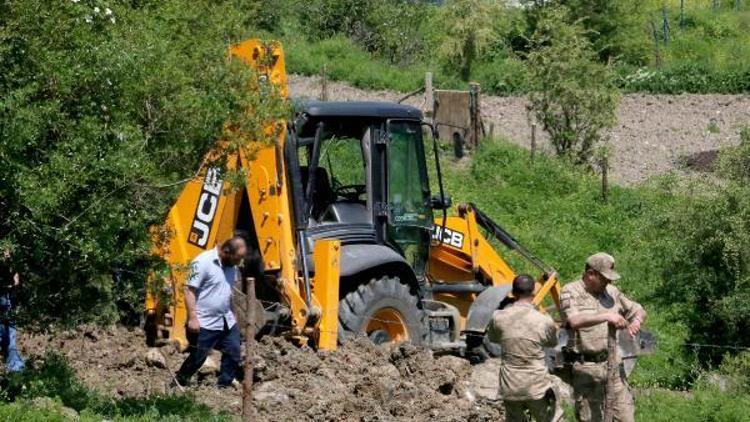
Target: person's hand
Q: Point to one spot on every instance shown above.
(193, 325)
(616, 320)
(634, 327)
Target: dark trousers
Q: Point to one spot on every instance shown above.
(13, 360)
(227, 341)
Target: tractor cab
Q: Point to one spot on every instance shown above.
(359, 175)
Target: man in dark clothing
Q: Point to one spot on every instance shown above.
(9, 281)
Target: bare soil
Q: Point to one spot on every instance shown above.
(358, 382)
(654, 134)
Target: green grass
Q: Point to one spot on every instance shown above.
(345, 61)
(700, 405)
(53, 378)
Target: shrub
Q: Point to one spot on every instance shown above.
(574, 97)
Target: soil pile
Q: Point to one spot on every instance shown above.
(358, 382)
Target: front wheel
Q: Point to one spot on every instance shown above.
(385, 310)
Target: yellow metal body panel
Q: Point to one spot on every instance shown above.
(206, 211)
(326, 255)
(463, 254)
(454, 261)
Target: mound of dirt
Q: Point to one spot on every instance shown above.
(357, 382)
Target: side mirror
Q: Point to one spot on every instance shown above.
(439, 203)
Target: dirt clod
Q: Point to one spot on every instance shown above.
(153, 358)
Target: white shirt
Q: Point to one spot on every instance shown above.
(213, 285)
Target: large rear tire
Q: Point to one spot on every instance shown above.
(385, 310)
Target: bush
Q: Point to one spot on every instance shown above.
(701, 245)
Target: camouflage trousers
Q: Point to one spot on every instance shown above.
(546, 409)
(589, 389)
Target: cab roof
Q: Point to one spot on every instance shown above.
(369, 109)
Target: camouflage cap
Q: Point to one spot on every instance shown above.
(604, 264)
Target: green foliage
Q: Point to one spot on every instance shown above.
(54, 378)
(574, 97)
(483, 41)
(614, 28)
(101, 112)
(469, 32)
(345, 61)
(390, 28)
(702, 244)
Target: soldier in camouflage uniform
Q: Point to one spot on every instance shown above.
(589, 306)
(523, 332)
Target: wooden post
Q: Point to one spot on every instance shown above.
(665, 25)
(492, 130)
(682, 14)
(613, 371)
(533, 141)
(714, 5)
(324, 83)
(248, 412)
(429, 96)
(657, 54)
(605, 181)
(474, 114)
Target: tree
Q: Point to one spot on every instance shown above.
(103, 111)
(469, 31)
(574, 96)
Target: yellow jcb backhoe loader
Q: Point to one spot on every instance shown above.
(338, 216)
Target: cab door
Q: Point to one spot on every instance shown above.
(408, 193)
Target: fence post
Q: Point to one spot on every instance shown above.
(533, 141)
(474, 113)
(714, 5)
(324, 83)
(682, 14)
(737, 4)
(665, 25)
(429, 97)
(605, 180)
(657, 54)
(248, 413)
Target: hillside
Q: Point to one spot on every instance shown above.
(654, 134)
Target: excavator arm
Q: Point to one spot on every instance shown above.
(207, 212)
